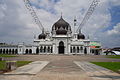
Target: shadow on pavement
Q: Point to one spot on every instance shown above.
(107, 76)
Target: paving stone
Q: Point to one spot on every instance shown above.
(97, 72)
(32, 68)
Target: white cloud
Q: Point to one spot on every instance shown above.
(21, 27)
(115, 30)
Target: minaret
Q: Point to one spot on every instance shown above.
(43, 32)
(75, 22)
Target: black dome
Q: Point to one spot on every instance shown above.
(42, 36)
(80, 35)
(61, 27)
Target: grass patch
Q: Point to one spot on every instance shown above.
(19, 63)
(114, 66)
(2, 65)
(7, 55)
(114, 56)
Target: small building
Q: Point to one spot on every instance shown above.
(95, 47)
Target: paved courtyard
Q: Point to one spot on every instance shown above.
(61, 67)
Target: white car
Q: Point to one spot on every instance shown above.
(116, 52)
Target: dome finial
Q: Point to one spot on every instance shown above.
(43, 31)
(61, 14)
(80, 31)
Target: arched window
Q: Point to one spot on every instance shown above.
(81, 49)
(61, 43)
(13, 52)
(30, 51)
(37, 50)
(16, 51)
(74, 49)
(0, 51)
(41, 49)
(48, 49)
(71, 50)
(26, 51)
(44, 49)
(77, 49)
(9, 51)
(85, 50)
(6, 51)
(51, 49)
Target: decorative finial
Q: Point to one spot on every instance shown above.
(75, 19)
(80, 31)
(43, 30)
(61, 14)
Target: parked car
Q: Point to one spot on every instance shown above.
(116, 52)
(112, 52)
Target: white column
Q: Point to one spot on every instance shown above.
(46, 50)
(54, 49)
(75, 49)
(88, 50)
(68, 48)
(33, 49)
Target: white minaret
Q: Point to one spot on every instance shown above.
(75, 24)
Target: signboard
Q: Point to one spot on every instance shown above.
(95, 43)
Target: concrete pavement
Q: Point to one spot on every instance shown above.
(61, 67)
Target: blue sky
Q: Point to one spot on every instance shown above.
(115, 14)
(115, 17)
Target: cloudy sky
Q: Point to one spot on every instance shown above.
(17, 25)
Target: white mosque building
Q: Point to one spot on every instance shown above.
(60, 41)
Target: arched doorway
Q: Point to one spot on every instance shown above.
(6, 51)
(61, 47)
(30, 51)
(37, 50)
(77, 49)
(16, 51)
(10, 51)
(0, 51)
(26, 51)
(85, 50)
(13, 51)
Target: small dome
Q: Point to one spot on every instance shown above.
(42, 36)
(80, 35)
(61, 31)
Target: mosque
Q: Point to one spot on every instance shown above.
(60, 41)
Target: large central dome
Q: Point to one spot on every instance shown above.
(61, 27)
